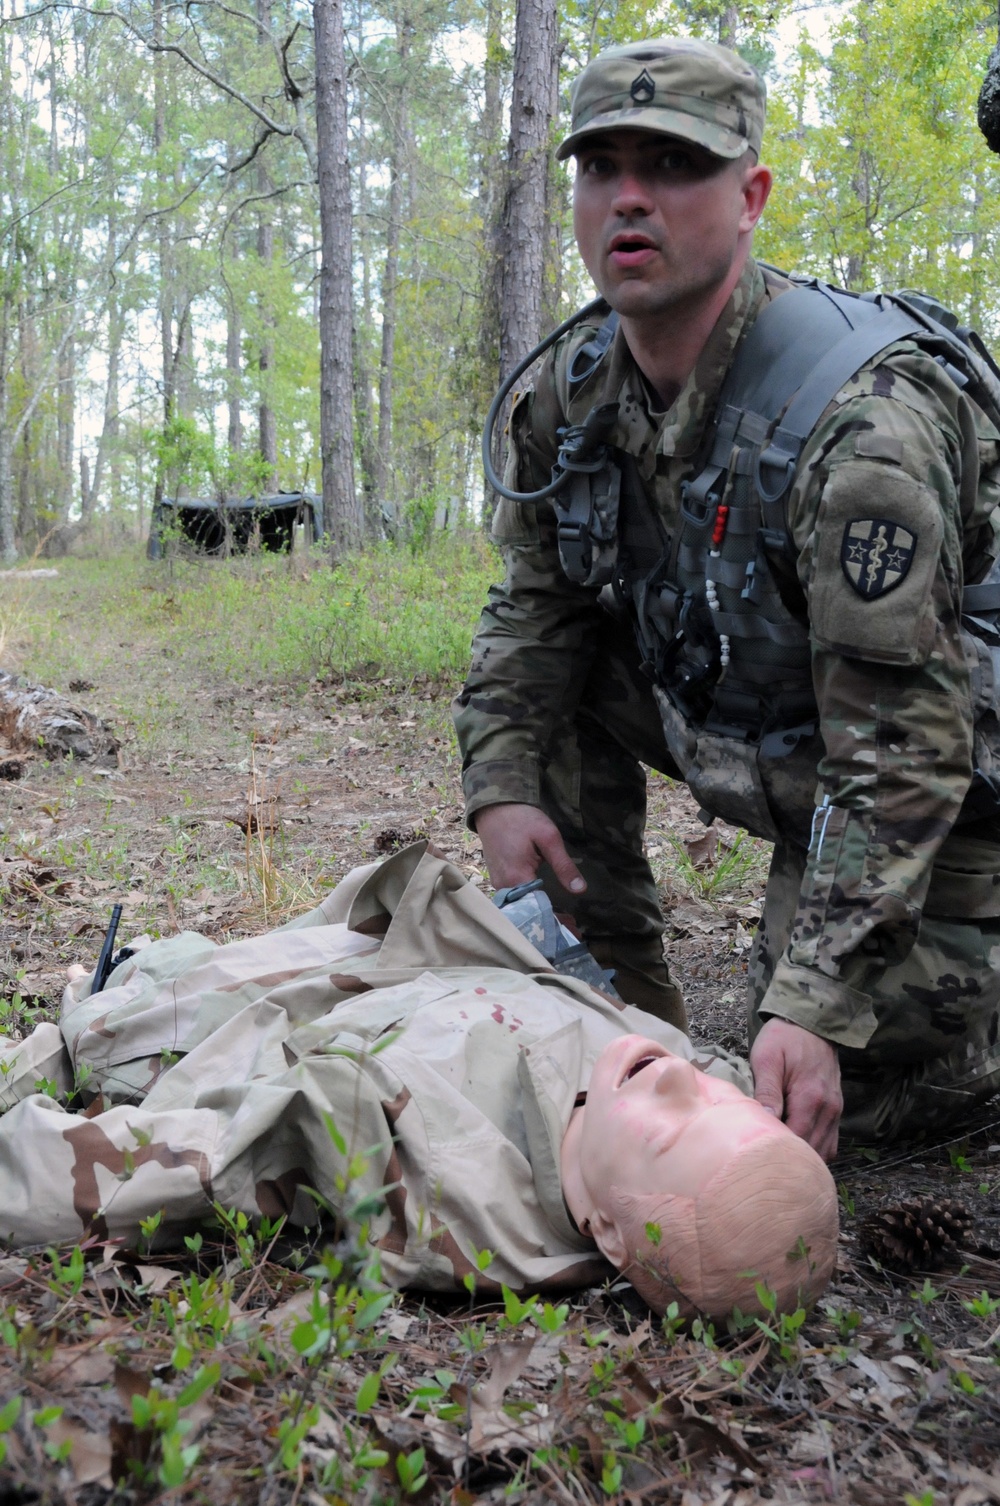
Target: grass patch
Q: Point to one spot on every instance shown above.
(388, 614)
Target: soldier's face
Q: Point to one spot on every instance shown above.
(654, 1123)
(661, 223)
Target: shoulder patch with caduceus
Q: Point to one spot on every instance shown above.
(875, 555)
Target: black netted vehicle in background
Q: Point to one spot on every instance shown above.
(236, 525)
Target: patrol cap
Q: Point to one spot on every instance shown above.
(680, 86)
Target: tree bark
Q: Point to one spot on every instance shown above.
(363, 406)
(342, 514)
(163, 239)
(729, 26)
(234, 354)
(267, 427)
(490, 202)
(390, 278)
(523, 231)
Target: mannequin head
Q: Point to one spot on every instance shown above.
(737, 1198)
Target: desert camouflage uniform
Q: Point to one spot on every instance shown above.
(447, 1051)
(882, 921)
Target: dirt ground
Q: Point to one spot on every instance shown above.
(246, 803)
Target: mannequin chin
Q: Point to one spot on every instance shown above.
(737, 1198)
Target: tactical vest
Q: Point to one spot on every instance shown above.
(719, 614)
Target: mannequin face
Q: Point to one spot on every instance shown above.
(653, 1123)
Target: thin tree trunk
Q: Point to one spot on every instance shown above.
(342, 515)
(523, 236)
(363, 407)
(8, 543)
(267, 428)
(234, 353)
(390, 278)
(490, 201)
(729, 26)
(163, 239)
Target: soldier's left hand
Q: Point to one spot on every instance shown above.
(797, 1076)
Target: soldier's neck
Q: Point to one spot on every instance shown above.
(666, 347)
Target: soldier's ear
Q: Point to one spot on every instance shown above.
(757, 180)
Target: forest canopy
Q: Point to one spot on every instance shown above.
(161, 187)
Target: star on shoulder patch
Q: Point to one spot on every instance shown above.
(875, 555)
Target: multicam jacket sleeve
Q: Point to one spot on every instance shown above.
(902, 465)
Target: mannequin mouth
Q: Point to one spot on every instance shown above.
(644, 1061)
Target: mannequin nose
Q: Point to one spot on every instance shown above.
(678, 1080)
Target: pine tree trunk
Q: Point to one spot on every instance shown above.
(8, 543)
(267, 426)
(490, 201)
(524, 232)
(163, 239)
(390, 278)
(363, 408)
(342, 514)
(234, 354)
(524, 229)
(729, 26)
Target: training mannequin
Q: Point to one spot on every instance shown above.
(480, 1101)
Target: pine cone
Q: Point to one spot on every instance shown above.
(922, 1234)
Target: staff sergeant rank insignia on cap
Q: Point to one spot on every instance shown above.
(875, 555)
(643, 88)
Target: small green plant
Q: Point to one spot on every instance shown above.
(983, 1306)
(783, 1330)
(845, 1320)
(515, 1310)
(846, 1199)
(410, 1471)
(8, 1417)
(161, 1415)
(927, 1294)
(66, 1279)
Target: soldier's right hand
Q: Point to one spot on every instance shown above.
(517, 839)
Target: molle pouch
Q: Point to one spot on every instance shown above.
(879, 537)
(724, 778)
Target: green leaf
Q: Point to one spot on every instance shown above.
(367, 1394)
(9, 1414)
(207, 1377)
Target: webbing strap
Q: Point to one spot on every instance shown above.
(982, 598)
(776, 465)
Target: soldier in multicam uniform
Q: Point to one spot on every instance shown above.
(875, 979)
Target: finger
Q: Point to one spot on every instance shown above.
(768, 1079)
(554, 852)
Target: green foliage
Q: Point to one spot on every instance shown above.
(389, 614)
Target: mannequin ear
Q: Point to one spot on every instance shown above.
(609, 1239)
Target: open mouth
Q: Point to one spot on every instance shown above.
(643, 1061)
